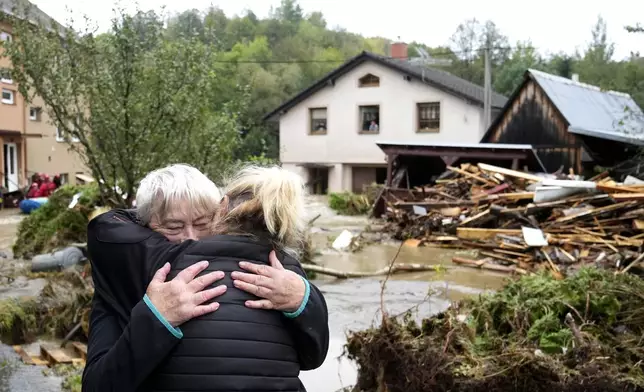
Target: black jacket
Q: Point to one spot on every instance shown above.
(234, 348)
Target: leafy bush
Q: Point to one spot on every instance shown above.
(54, 225)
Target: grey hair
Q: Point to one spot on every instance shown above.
(163, 187)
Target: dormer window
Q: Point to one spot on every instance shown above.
(369, 80)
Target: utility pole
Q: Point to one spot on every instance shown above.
(487, 93)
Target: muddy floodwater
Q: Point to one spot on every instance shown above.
(353, 304)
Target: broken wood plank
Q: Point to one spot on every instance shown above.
(413, 243)
(467, 233)
(595, 212)
(483, 264)
(509, 172)
(480, 216)
(54, 356)
(26, 358)
(81, 349)
(470, 175)
(627, 196)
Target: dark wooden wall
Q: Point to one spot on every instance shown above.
(532, 119)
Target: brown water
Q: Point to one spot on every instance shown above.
(353, 304)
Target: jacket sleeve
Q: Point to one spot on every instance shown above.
(310, 324)
(120, 359)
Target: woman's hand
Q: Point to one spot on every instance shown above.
(182, 298)
(280, 288)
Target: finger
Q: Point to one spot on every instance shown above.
(259, 269)
(204, 309)
(189, 273)
(257, 280)
(204, 281)
(261, 304)
(207, 295)
(162, 273)
(258, 291)
(275, 262)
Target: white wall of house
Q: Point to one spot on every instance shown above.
(344, 146)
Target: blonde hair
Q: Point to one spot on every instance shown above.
(161, 189)
(270, 199)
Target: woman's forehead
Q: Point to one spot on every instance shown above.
(184, 211)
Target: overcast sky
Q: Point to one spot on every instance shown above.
(551, 25)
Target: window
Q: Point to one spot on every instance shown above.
(7, 96)
(60, 136)
(64, 178)
(370, 119)
(318, 121)
(4, 36)
(369, 80)
(5, 76)
(429, 117)
(79, 120)
(34, 114)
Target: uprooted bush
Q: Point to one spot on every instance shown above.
(347, 203)
(584, 333)
(54, 225)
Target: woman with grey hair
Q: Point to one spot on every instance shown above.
(252, 349)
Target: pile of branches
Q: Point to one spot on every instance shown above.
(54, 224)
(584, 333)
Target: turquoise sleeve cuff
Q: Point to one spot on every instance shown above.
(307, 293)
(174, 331)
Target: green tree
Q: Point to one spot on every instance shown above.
(510, 74)
(132, 98)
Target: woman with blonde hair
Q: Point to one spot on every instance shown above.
(270, 322)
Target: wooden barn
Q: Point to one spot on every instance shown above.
(571, 125)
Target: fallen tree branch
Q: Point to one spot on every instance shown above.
(395, 268)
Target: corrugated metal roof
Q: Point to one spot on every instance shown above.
(593, 112)
(459, 145)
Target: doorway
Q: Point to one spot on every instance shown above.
(318, 180)
(11, 167)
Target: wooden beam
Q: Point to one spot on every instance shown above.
(390, 168)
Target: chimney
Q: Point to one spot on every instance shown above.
(575, 77)
(399, 50)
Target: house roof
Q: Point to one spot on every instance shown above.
(36, 15)
(589, 110)
(430, 76)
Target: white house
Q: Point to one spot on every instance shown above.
(328, 132)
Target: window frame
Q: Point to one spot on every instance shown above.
(59, 135)
(361, 121)
(419, 107)
(313, 131)
(8, 101)
(4, 80)
(36, 111)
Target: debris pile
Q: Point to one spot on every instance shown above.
(57, 223)
(583, 333)
(522, 222)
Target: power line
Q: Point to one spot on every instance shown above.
(313, 61)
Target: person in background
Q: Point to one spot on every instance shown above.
(33, 190)
(45, 187)
(57, 181)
